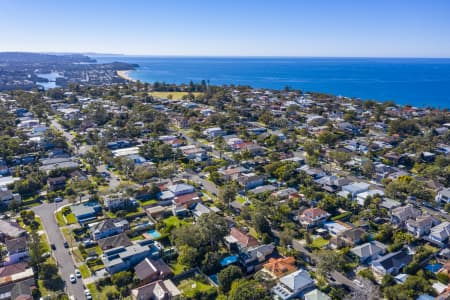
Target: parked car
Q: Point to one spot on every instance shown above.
(88, 295)
(58, 199)
(72, 278)
(66, 244)
(77, 273)
(53, 246)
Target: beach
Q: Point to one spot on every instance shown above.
(124, 75)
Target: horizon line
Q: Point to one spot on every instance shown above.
(88, 53)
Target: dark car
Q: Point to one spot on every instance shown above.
(66, 244)
(53, 246)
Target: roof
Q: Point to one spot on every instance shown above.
(13, 269)
(81, 209)
(314, 212)
(297, 280)
(114, 241)
(316, 295)
(245, 240)
(281, 266)
(394, 259)
(11, 229)
(149, 268)
(156, 290)
(17, 244)
(369, 249)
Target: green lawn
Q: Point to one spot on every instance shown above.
(71, 219)
(149, 202)
(319, 243)
(84, 270)
(177, 268)
(173, 222)
(175, 95)
(60, 219)
(190, 286)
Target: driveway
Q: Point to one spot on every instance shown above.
(63, 258)
(114, 181)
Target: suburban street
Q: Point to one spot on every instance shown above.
(64, 260)
(207, 185)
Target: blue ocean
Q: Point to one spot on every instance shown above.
(417, 82)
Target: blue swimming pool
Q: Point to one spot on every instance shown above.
(433, 267)
(155, 234)
(228, 260)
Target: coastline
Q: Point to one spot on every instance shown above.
(124, 74)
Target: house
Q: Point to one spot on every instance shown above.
(85, 212)
(401, 214)
(181, 189)
(293, 285)
(356, 188)
(57, 183)
(200, 209)
(10, 230)
(443, 196)
(158, 290)
(253, 258)
(348, 238)
(362, 197)
(149, 270)
(232, 173)
(251, 180)
(420, 225)
(313, 217)
(279, 267)
(186, 200)
(316, 295)
(123, 258)
(439, 234)
(391, 263)
(214, 132)
(16, 282)
(238, 240)
(119, 240)
(107, 228)
(17, 250)
(6, 196)
(117, 201)
(369, 251)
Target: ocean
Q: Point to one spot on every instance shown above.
(417, 82)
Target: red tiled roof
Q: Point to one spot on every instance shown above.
(246, 240)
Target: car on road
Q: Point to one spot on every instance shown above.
(88, 295)
(66, 244)
(53, 246)
(77, 273)
(358, 283)
(58, 199)
(72, 278)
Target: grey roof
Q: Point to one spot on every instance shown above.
(369, 249)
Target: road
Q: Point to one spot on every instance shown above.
(337, 276)
(69, 137)
(207, 185)
(64, 260)
(114, 180)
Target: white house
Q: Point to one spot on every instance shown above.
(440, 233)
(356, 188)
(293, 285)
(443, 195)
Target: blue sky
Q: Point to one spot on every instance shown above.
(382, 28)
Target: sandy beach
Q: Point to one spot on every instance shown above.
(124, 75)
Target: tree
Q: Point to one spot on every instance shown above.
(227, 194)
(213, 229)
(188, 256)
(260, 223)
(35, 250)
(211, 263)
(122, 278)
(329, 260)
(227, 276)
(368, 168)
(286, 236)
(247, 290)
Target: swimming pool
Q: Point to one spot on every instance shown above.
(154, 234)
(228, 260)
(433, 267)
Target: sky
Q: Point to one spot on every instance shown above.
(331, 28)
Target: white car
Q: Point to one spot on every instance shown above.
(77, 273)
(72, 278)
(88, 295)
